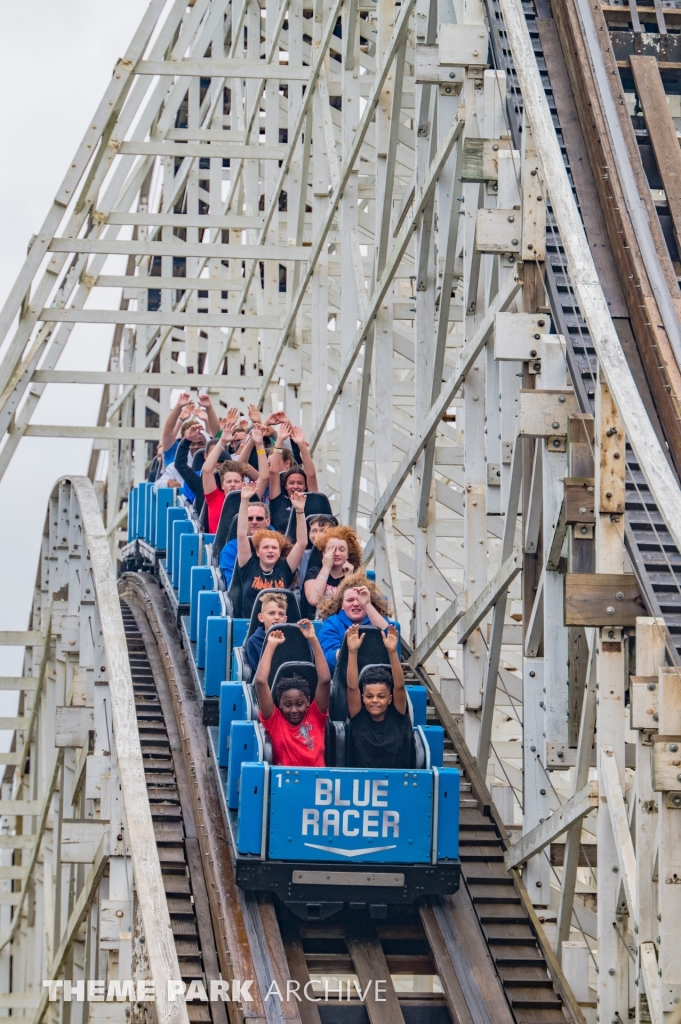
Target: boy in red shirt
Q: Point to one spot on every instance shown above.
(294, 723)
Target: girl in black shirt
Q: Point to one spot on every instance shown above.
(381, 734)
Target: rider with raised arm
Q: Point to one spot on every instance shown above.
(380, 731)
(294, 722)
(232, 474)
(273, 560)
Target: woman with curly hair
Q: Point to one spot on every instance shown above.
(356, 601)
(272, 561)
(341, 556)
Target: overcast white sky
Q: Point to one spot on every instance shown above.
(56, 57)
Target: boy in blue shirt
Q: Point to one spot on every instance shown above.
(273, 611)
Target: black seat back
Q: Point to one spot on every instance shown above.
(335, 755)
(299, 668)
(372, 652)
(203, 518)
(231, 532)
(235, 589)
(316, 504)
(292, 612)
(294, 649)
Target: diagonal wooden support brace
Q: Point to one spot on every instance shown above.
(574, 809)
(620, 826)
(489, 597)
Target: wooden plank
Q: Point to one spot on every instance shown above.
(617, 809)
(191, 382)
(167, 318)
(19, 1001)
(234, 221)
(644, 700)
(234, 951)
(10, 899)
(12, 873)
(14, 723)
(25, 683)
(224, 67)
(369, 962)
(470, 956)
(21, 638)
(72, 726)
(667, 764)
(98, 433)
(22, 842)
(297, 964)
(650, 337)
(289, 1006)
(20, 807)
(588, 855)
(220, 283)
(580, 500)
(489, 596)
(533, 842)
(80, 839)
(213, 150)
(208, 250)
(661, 132)
(545, 413)
(669, 683)
(456, 1001)
(580, 170)
(602, 599)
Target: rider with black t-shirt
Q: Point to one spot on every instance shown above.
(272, 561)
(380, 730)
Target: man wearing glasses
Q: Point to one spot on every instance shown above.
(258, 519)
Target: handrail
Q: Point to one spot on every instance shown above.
(80, 764)
(160, 946)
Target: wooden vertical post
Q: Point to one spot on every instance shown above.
(348, 220)
(650, 653)
(554, 470)
(537, 799)
(613, 959)
(669, 858)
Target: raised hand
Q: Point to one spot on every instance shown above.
(307, 629)
(298, 501)
(194, 432)
(278, 417)
(283, 433)
(354, 638)
(256, 435)
(254, 414)
(390, 638)
(184, 398)
(348, 568)
(205, 400)
(298, 436)
(247, 491)
(275, 637)
(327, 557)
(187, 412)
(363, 596)
(202, 415)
